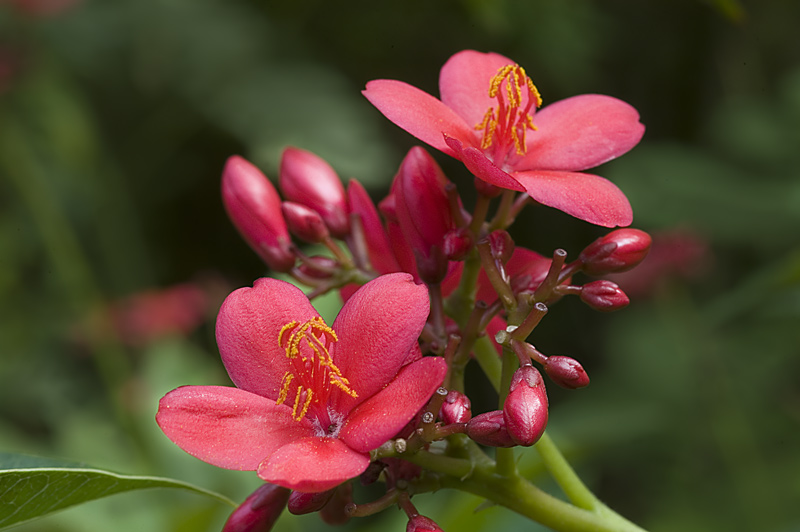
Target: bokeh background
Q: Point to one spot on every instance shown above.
(116, 117)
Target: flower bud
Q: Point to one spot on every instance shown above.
(490, 429)
(304, 223)
(319, 267)
(617, 251)
(423, 212)
(259, 511)
(305, 503)
(604, 296)
(456, 408)
(379, 249)
(487, 189)
(307, 179)
(525, 409)
(335, 512)
(566, 372)
(254, 207)
(372, 473)
(502, 245)
(457, 243)
(420, 523)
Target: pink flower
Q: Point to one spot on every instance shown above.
(487, 119)
(311, 400)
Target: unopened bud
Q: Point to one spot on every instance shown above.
(525, 409)
(456, 408)
(307, 179)
(502, 245)
(259, 511)
(423, 212)
(306, 224)
(420, 523)
(487, 189)
(566, 372)
(457, 243)
(604, 296)
(335, 512)
(253, 206)
(490, 429)
(319, 267)
(305, 503)
(617, 251)
(372, 473)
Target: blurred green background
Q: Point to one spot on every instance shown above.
(116, 118)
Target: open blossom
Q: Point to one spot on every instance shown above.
(311, 400)
(487, 118)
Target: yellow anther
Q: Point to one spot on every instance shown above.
(287, 379)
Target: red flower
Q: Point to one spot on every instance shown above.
(487, 119)
(311, 400)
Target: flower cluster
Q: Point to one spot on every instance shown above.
(428, 286)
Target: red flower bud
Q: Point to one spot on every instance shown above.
(525, 409)
(307, 179)
(490, 429)
(305, 503)
(456, 408)
(304, 223)
(420, 523)
(423, 212)
(259, 511)
(457, 243)
(566, 372)
(618, 251)
(379, 248)
(502, 245)
(604, 296)
(319, 267)
(335, 512)
(254, 207)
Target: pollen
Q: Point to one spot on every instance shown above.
(315, 375)
(505, 125)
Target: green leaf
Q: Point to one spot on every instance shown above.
(32, 487)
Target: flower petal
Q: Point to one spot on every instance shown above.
(248, 325)
(480, 166)
(380, 251)
(377, 327)
(227, 427)
(313, 464)
(419, 113)
(581, 132)
(585, 196)
(379, 418)
(464, 83)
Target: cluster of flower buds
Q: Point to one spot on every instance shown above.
(420, 234)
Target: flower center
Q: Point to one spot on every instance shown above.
(505, 126)
(315, 375)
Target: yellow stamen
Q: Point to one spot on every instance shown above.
(511, 119)
(314, 367)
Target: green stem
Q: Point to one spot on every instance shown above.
(506, 466)
(526, 499)
(572, 486)
(487, 358)
(455, 467)
(501, 217)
